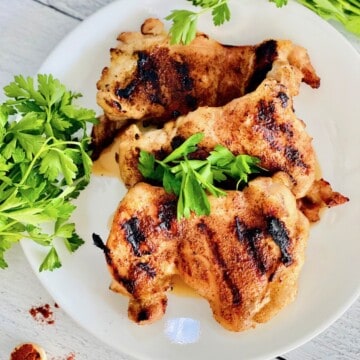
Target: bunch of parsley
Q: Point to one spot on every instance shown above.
(44, 164)
(191, 179)
(184, 22)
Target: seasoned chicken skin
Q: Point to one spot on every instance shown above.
(150, 79)
(244, 258)
(261, 123)
(320, 196)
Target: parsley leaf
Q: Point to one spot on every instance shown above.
(187, 147)
(238, 167)
(279, 3)
(51, 261)
(184, 22)
(190, 180)
(184, 26)
(220, 14)
(44, 164)
(347, 12)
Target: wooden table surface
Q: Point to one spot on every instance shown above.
(29, 30)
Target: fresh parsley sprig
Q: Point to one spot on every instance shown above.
(183, 29)
(190, 180)
(184, 22)
(347, 12)
(44, 163)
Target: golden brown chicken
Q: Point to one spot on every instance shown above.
(320, 196)
(244, 258)
(149, 79)
(261, 123)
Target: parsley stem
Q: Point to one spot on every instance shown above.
(44, 148)
(220, 3)
(45, 241)
(8, 225)
(33, 162)
(5, 204)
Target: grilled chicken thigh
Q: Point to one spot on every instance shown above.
(150, 79)
(261, 123)
(244, 258)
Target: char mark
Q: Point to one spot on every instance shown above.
(265, 55)
(134, 235)
(214, 246)
(167, 213)
(146, 75)
(161, 154)
(175, 114)
(283, 99)
(294, 156)
(287, 129)
(250, 236)
(176, 141)
(191, 102)
(98, 242)
(147, 268)
(279, 233)
(146, 68)
(143, 315)
(126, 92)
(266, 114)
(128, 284)
(183, 74)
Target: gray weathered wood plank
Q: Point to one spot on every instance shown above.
(79, 9)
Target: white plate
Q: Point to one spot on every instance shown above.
(330, 279)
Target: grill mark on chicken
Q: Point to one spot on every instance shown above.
(267, 121)
(267, 118)
(160, 154)
(283, 99)
(191, 102)
(167, 214)
(147, 73)
(182, 69)
(134, 235)
(147, 268)
(287, 129)
(98, 242)
(127, 91)
(235, 292)
(176, 141)
(250, 236)
(215, 249)
(266, 114)
(279, 233)
(128, 284)
(265, 55)
(175, 114)
(150, 72)
(294, 156)
(143, 315)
